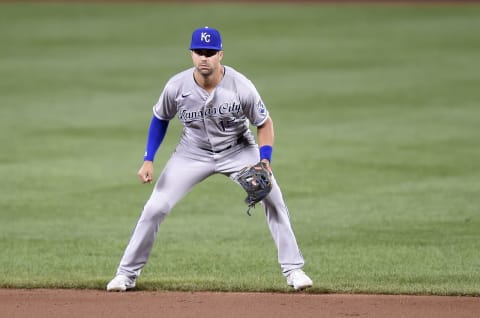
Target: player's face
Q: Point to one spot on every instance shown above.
(207, 62)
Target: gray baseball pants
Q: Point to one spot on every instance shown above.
(186, 168)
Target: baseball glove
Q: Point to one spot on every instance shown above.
(256, 181)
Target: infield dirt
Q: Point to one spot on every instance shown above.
(40, 303)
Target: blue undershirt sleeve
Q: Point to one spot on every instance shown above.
(156, 133)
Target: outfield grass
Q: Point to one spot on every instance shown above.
(377, 119)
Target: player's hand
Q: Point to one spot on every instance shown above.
(268, 165)
(145, 174)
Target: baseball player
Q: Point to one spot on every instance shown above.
(216, 105)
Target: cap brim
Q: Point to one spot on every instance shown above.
(204, 47)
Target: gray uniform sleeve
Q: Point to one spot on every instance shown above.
(254, 108)
(166, 107)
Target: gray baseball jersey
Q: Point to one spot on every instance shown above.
(212, 121)
(216, 139)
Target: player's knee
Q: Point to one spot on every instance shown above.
(155, 209)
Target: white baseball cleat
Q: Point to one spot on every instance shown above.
(121, 283)
(299, 280)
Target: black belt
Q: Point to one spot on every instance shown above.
(239, 140)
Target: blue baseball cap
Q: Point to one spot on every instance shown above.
(206, 38)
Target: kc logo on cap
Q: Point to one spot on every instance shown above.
(206, 38)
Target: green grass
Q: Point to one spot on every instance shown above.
(377, 146)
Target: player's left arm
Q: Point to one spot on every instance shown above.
(257, 113)
(265, 136)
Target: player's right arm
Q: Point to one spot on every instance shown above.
(163, 111)
(156, 133)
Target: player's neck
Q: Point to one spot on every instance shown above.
(209, 82)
